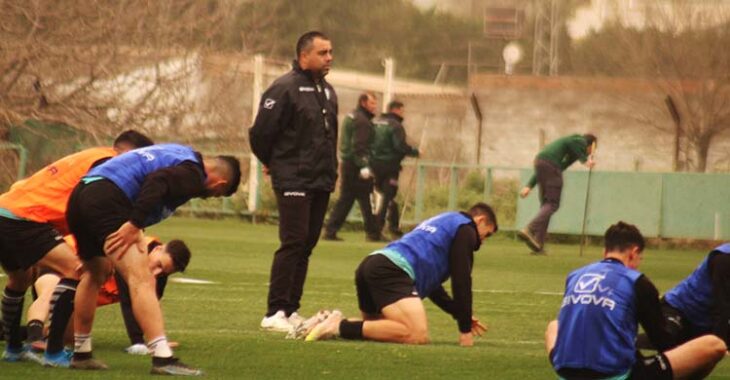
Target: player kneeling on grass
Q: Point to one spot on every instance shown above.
(700, 304)
(391, 281)
(603, 305)
(163, 259)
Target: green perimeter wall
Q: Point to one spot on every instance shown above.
(675, 205)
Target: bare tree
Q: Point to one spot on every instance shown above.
(103, 66)
(680, 48)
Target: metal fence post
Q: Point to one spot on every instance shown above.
(420, 179)
(453, 187)
(226, 206)
(488, 185)
(718, 229)
(389, 64)
(660, 222)
(23, 161)
(254, 177)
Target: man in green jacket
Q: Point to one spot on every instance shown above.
(549, 166)
(389, 149)
(356, 179)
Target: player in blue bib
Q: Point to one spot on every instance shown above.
(603, 305)
(106, 214)
(392, 281)
(700, 304)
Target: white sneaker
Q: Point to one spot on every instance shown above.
(276, 322)
(328, 329)
(295, 319)
(301, 330)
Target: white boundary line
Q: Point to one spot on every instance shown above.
(194, 281)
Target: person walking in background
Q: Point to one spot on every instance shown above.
(295, 138)
(389, 149)
(357, 178)
(549, 166)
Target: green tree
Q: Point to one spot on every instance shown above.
(363, 33)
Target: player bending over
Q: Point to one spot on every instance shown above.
(392, 281)
(32, 221)
(163, 259)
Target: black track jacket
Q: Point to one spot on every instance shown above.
(295, 132)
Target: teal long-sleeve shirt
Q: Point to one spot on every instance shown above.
(563, 152)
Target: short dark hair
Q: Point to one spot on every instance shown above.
(305, 41)
(482, 208)
(365, 96)
(622, 236)
(179, 253)
(235, 166)
(590, 139)
(133, 138)
(395, 104)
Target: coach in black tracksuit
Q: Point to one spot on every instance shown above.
(357, 179)
(295, 137)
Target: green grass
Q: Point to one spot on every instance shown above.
(217, 325)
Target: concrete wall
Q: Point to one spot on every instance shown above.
(629, 118)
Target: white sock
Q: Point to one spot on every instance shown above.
(82, 343)
(159, 347)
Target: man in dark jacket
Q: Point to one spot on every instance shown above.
(295, 138)
(389, 149)
(357, 179)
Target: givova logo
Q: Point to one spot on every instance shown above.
(588, 282)
(145, 153)
(427, 228)
(588, 291)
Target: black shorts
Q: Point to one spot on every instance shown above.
(655, 367)
(380, 283)
(23, 243)
(95, 211)
(678, 326)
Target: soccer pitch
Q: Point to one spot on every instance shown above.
(217, 324)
